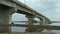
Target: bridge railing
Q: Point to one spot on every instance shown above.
(22, 25)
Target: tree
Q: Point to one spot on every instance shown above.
(34, 21)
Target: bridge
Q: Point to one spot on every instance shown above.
(8, 7)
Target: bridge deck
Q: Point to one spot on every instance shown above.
(29, 33)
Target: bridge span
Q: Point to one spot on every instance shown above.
(8, 7)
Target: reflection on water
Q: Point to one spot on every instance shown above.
(55, 31)
(22, 29)
(52, 31)
(18, 29)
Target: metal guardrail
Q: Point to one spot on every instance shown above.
(22, 25)
(30, 33)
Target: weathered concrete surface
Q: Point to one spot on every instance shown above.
(29, 33)
(5, 17)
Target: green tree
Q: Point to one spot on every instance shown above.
(34, 21)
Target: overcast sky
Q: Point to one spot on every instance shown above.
(49, 8)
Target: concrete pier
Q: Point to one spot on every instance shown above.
(5, 17)
(30, 22)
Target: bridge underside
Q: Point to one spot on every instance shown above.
(18, 11)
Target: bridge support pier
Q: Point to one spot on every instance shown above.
(30, 22)
(42, 22)
(5, 18)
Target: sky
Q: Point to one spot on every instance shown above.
(49, 8)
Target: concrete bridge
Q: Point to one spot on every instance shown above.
(8, 7)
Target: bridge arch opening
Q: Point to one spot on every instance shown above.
(18, 19)
(37, 21)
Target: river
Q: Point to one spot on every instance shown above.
(22, 29)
